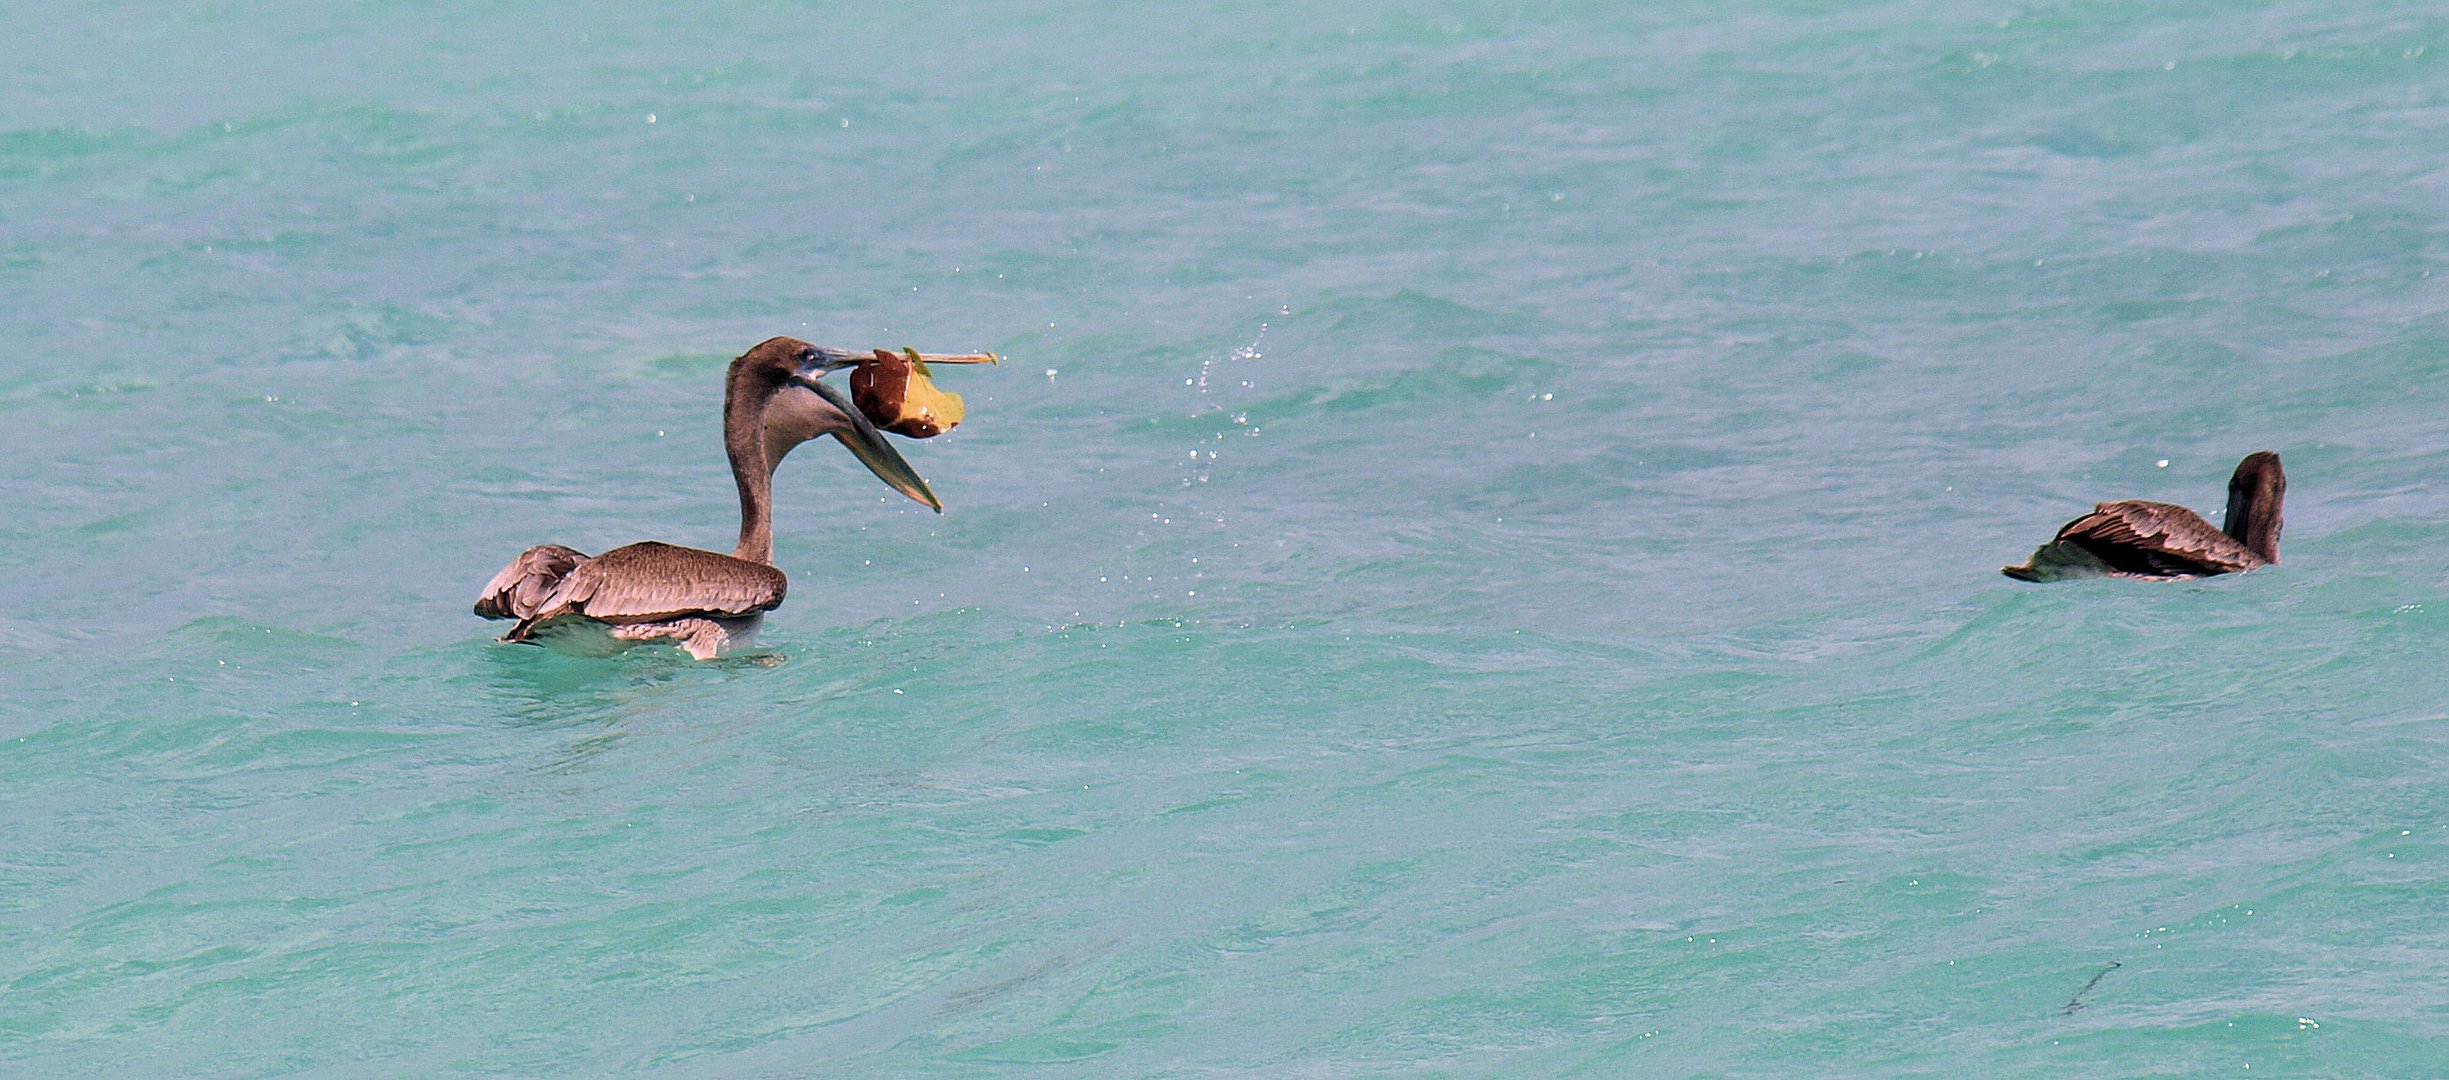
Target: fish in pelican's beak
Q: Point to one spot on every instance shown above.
(857, 432)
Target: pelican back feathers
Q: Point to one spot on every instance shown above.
(649, 582)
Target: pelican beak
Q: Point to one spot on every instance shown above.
(952, 358)
(827, 360)
(868, 445)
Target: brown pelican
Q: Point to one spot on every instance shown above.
(704, 602)
(2157, 540)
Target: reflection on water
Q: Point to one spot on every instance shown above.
(535, 687)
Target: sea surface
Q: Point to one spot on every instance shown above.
(1481, 559)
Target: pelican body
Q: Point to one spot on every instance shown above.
(2136, 539)
(706, 603)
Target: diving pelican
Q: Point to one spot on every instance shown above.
(704, 602)
(2156, 540)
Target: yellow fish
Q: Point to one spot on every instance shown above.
(895, 392)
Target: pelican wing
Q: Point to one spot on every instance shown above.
(656, 582)
(2157, 540)
(521, 588)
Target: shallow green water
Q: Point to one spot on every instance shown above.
(1483, 559)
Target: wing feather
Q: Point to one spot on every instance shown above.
(2157, 540)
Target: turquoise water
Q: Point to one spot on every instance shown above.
(1482, 560)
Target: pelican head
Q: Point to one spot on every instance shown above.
(2255, 494)
(776, 398)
